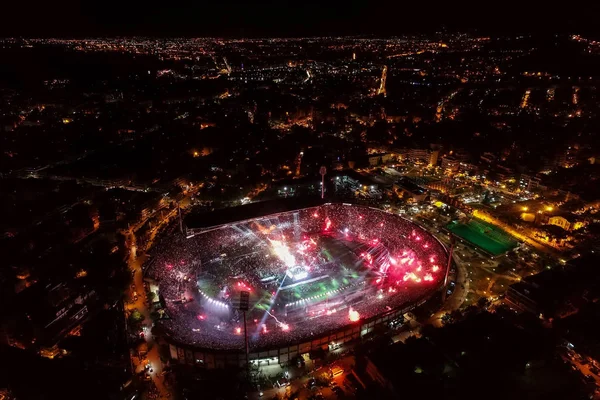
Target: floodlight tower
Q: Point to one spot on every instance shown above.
(452, 241)
(323, 171)
(244, 306)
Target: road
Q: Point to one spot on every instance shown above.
(455, 300)
(141, 304)
(584, 369)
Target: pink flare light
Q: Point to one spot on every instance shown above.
(353, 315)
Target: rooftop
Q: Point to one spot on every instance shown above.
(253, 210)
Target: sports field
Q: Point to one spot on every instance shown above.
(487, 237)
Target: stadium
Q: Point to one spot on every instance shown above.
(317, 276)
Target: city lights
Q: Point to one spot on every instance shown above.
(244, 202)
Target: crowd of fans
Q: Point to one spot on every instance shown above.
(396, 263)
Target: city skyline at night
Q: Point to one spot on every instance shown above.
(309, 201)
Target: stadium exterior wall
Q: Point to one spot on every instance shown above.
(220, 359)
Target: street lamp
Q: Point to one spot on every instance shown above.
(323, 171)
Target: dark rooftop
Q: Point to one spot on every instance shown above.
(551, 288)
(254, 210)
(410, 186)
(581, 330)
(361, 178)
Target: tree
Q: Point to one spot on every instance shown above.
(155, 315)
(428, 330)
(483, 302)
(452, 317)
(152, 297)
(456, 315)
(135, 318)
(594, 229)
(446, 318)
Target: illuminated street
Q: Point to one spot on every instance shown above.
(152, 357)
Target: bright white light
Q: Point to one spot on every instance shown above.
(282, 251)
(297, 274)
(353, 315)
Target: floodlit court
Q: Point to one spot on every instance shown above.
(487, 237)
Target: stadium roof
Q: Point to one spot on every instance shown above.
(253, 210)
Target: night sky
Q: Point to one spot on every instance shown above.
(288, 18)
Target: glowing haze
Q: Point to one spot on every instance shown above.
(283, 252)
(353, 315)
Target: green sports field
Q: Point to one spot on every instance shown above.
(487, 237)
